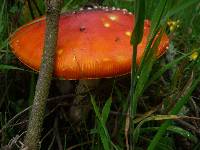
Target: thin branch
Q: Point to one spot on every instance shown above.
(42, 88)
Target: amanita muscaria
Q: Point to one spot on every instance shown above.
(91, 43)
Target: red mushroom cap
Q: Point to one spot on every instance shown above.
(91, 44)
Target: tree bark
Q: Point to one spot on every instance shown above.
(32, 137)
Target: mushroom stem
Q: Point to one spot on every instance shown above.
(77, 112)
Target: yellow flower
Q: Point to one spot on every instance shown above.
(194, 56)
(173, 25)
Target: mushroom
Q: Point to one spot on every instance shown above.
(92, 43)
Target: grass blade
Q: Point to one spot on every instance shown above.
(9, 67)
(106, 110)
(135, 40)
(186, 134)
(155, 117)
(105, 138)
(183, 133)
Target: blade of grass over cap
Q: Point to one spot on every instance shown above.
(150, 59)
(160, 11)
(144, 75)
(145, 70)
(149, 55)
(135, 40)
(139, 77)
(157, 15)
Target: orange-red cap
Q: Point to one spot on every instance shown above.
(91, 44)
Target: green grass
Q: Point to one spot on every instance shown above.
(156, 107)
